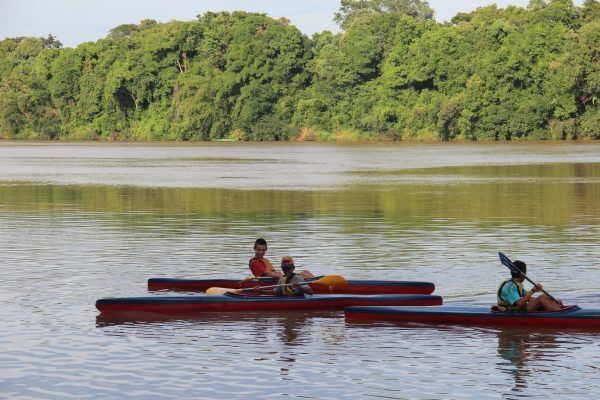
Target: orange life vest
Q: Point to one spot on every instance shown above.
(259, 266)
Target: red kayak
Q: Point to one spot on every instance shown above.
(567, 317)
(234, 302)
(353, 286)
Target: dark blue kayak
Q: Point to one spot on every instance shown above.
(567, 317)
(235, 302)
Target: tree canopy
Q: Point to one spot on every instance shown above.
(391, 73)
(352, 9)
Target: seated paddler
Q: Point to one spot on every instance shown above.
(295, 285)
(513, 297)
(259, 265)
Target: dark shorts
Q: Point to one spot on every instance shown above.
(522, 308)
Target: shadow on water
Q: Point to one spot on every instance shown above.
(518, 348)
(290, 323)
(527, 352)
(522, 353)
(282, 337)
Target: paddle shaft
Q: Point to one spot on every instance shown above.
(327, 280)
(541, 290)
(513, 266)
(258, 279)
(270, 287)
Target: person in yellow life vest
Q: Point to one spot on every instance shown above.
(513, 297)
(298, 287)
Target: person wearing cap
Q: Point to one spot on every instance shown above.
(289, 260)
(513, 297)
(298, 284)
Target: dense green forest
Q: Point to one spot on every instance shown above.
(391, 72)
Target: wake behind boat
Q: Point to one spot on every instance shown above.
(234, 302)
(363, 287)
(567, 317)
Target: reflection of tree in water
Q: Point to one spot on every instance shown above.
(520, 347)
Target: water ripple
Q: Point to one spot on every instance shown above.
(65, 246)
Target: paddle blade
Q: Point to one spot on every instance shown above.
(216, 290)
(506, 262)
(331, 280)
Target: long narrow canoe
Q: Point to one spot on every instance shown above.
(567, 317)
(234, 302)
(353, 286)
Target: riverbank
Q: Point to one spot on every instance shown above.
(308, 137)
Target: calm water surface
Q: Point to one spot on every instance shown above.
(84, 221)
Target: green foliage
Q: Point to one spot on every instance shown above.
(352, 9)
(392, 73)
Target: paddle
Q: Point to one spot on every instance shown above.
(327, 280)
(506, 261)
(255, 278)
(265, 278)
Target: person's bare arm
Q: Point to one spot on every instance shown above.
(527, 298)
(302, 285)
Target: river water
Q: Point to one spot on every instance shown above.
(83, 221)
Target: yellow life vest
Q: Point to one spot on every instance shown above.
(287, 290)
(504, 305)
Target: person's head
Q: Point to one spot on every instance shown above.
(260, 247)
(287, 265)
(522, 267)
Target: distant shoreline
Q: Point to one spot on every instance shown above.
(242, 142)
